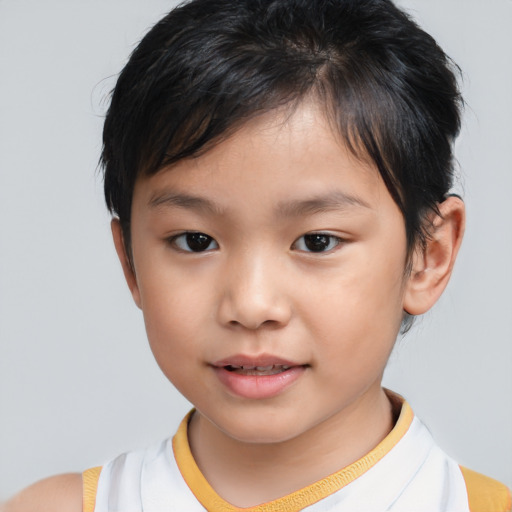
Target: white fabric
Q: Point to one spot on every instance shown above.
(415, 476)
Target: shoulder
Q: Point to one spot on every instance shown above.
(62, 493)
(486, 494)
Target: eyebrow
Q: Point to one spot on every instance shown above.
(178, 200)
(335, 200)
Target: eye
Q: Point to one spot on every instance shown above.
(194, 242)
(316, 242)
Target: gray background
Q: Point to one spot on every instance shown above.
(77, 381)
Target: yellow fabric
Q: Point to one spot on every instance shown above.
(486, 494)
(90, 479)
(292, 502)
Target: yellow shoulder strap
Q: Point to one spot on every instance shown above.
(90, 479)
(486, 494)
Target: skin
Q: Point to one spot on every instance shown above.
(60, 493)
(257, 289)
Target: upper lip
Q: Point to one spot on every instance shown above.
(256, 360)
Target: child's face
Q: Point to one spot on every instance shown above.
(296, 260)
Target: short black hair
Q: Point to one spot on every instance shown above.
(210, 65)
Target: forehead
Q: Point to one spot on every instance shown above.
(272, 160)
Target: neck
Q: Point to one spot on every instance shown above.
(248, 474)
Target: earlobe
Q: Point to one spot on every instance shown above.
(432, 264)
(129, 273)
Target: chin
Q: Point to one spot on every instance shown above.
(261, 430)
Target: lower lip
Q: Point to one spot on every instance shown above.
(258, 386)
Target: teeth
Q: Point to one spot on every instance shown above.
(255, 370)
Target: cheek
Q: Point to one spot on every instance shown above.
(171, 293)
(173, 308)
(173, 338)
(354, 346)
(357, 313)
(367, 288)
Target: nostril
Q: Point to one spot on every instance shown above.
(253, 311)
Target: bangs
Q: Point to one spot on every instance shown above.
(210, 66)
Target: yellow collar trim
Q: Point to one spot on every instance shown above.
(295, 501)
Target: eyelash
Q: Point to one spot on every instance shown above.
(183, 241)
(319, 237)
(176, 240)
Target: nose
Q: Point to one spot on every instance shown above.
(253, 294)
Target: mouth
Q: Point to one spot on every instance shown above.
(272, 369)
(257, 377)
(262, 364)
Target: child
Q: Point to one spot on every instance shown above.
(279, 171)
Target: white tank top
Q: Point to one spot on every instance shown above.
(406, 472)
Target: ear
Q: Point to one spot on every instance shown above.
(128, 270)
(432, 264)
